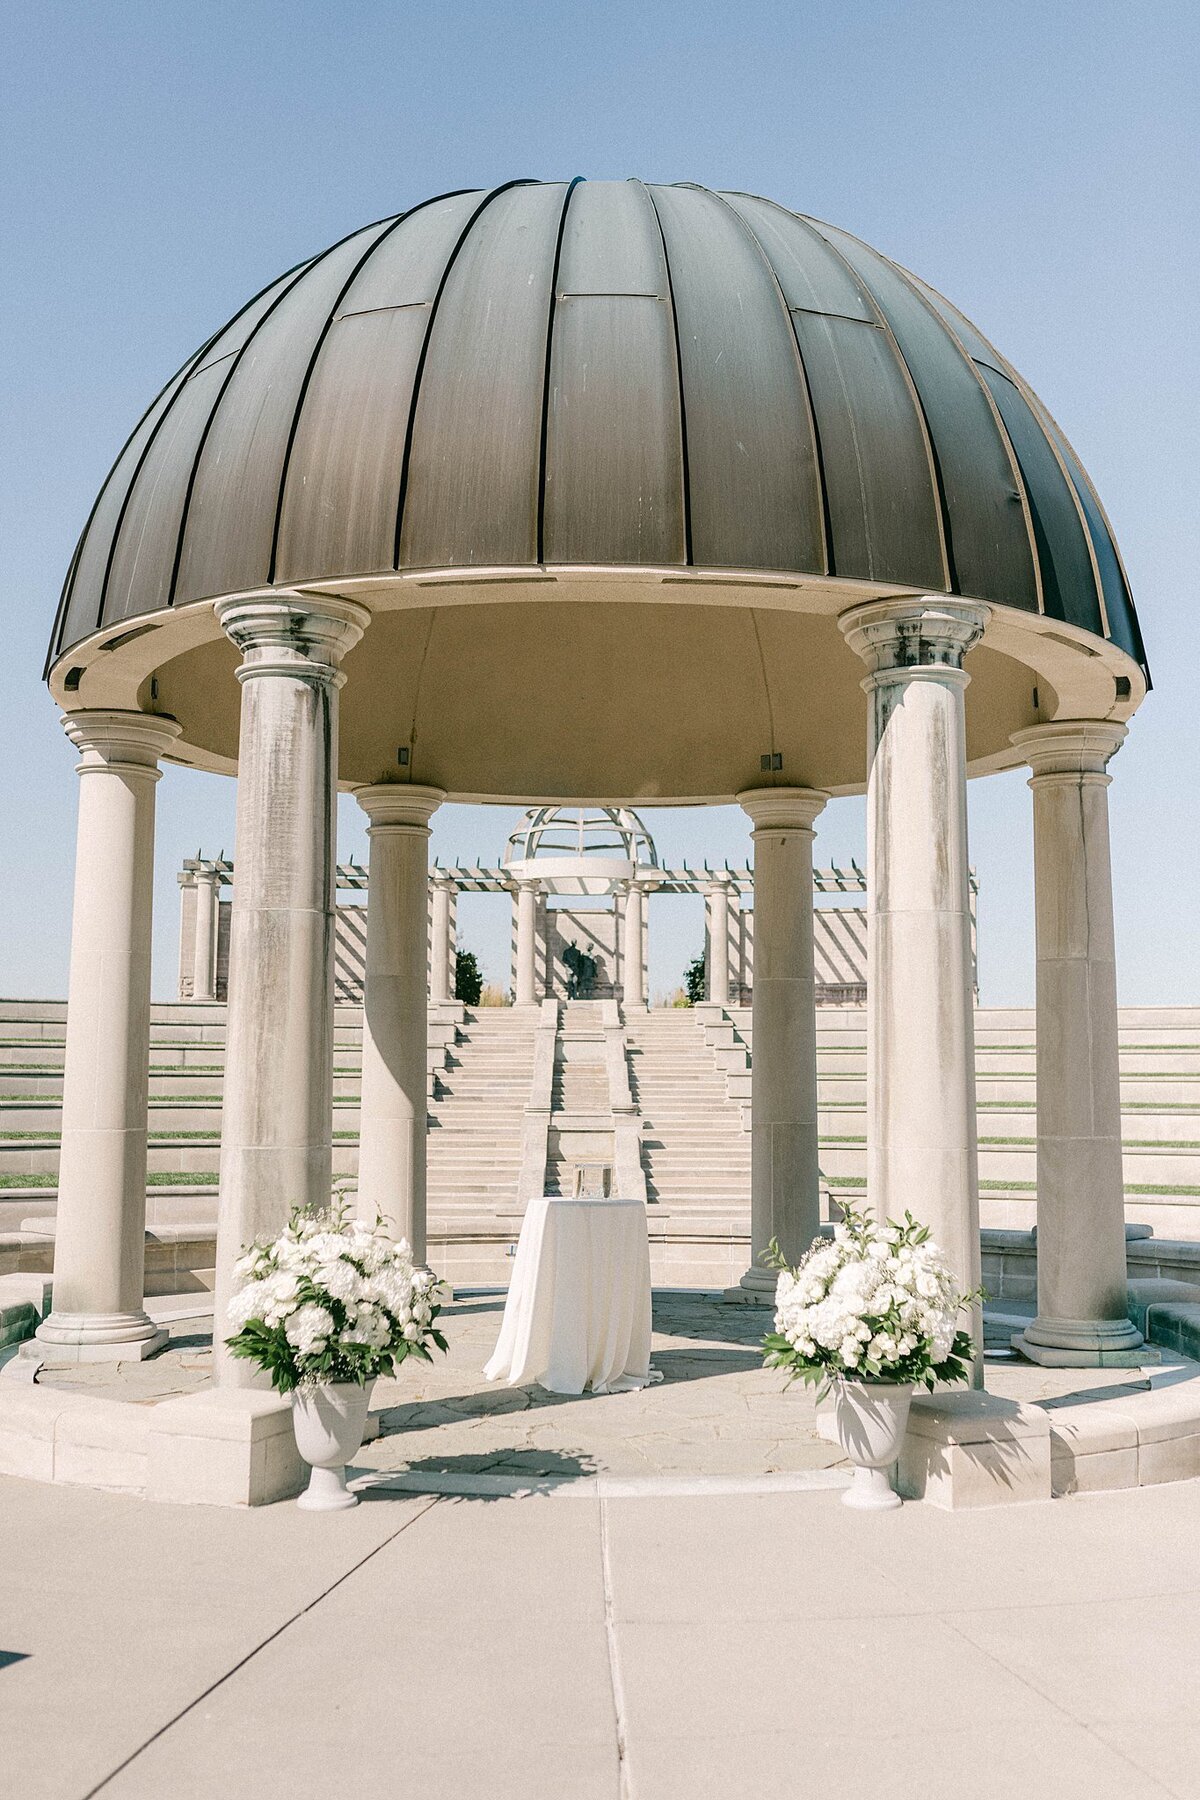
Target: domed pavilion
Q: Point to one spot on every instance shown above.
(597, 494)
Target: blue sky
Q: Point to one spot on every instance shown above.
(1038, 163)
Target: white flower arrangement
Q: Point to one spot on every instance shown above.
(332, 1299)
(877, 1303)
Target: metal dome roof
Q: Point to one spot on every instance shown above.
(603, 374)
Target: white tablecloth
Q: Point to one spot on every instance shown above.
(578, 1308)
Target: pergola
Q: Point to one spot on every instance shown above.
(596, 493)
(618, 863)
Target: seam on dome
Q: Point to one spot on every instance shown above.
(914, 284)
(683, 436)
(1044, 417)
(539, 542)
(1038, 407)
(322, 335)
(215, 408)
(941, 510)
(180, 378)
(806, 390)
(430, 322)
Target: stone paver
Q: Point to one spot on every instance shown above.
(716, 1411)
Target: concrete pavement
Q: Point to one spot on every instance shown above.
(631, 1649)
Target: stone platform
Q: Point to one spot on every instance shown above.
(716, 1419)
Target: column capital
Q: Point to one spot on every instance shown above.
(125, 743)
(442, 880)
(398, 805)
(782, 808)
(283, 633)
(933, 631)
(1070, 748)
(525, 884)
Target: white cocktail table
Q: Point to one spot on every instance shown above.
(578, 1308)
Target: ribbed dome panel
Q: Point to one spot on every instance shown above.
(603, 373)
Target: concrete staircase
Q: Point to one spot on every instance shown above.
(1160, 1092)
(690, 1075)
(476, 1114)
(695, 1148)
(580, 1107)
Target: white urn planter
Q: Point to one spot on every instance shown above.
(329, 1421)
(871, 1419)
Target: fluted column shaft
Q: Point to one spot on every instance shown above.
(441, 950)
(633, 973)
(785, 1193)
(276, 1150)
(395, 1106)
(204, 948)
(527, 895)
(1083, 1316)
(718, 943)
(100, 1228)
(922, 1153)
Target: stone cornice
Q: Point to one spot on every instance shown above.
(782, 808)
(121, 742)
(399, 806)
(299, 635)
(1070, 747)
(907, 635)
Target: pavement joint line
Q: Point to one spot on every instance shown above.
(616, 1680)
(950, 1621)
(212, 1687)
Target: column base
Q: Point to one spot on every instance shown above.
(96, 1338)
(756, 1288)
(1083, 1344)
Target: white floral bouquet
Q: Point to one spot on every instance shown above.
(332, 1299)
(878, 1303)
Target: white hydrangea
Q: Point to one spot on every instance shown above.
(333, 1285)
(309, 1327)
(870, 1300)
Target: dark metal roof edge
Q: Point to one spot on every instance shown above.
(180, 376)
(1014, 462)
(235, 364)
(1042, 413)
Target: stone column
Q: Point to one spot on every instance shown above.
(921, 1132)
(100, 1229)
(785, 1195)
(441, 950)
(395, 1105)
(1083, 1315)
(633, 969)
(204, 948)
(527, 893)
(276, 1150)
(718, 942)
